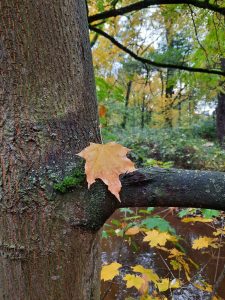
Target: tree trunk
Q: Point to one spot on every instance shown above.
(143, 112)
(220, 112)
(126, 104)
(169, 94)
(48, 114)
(42, 258)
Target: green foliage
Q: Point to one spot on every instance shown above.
(210, 213)
(178, 147)
(107, 91)
(205, 129)
(157, 223)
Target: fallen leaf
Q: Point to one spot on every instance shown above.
(174, 253)
(107, 162)
(203, 242)
(163, 285)
(157, 238)
(204, 286)
(133, 230)
(175, 283)
(196, 219)
(110, 271)
(133, 280)
(219, 231)
(151, 276)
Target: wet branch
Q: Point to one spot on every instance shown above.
(173, 187)
(153, 63)
(147, 187)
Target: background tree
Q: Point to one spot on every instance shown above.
(201, 31)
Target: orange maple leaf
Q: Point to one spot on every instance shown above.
(106, 162)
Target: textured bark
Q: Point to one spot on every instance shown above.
(173, 187)
(48, 105)
(48, 113)
(47, 259)
(152, 187)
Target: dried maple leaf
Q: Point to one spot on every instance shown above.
(107, 162)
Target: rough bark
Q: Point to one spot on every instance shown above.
(44, 258)
(48, 114)
(173, 187)
(152, 187)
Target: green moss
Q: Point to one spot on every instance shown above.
(75, 179)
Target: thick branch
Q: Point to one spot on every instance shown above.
(154, 187)
(173, 187)
(147, 3)
(153, 63)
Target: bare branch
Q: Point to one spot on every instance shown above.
(153, 63)
(147, 3)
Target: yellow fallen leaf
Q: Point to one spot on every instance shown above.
(155, 238)
(148, 297)
(174, 253)
(151, 276)
(110, 271)
(163, 285)
(219, 231)
(175, 283)
(204, 286)
(133, 230)
(203, 242)
(106, 162)
(196, 219)
(175, 264)
(133, 280)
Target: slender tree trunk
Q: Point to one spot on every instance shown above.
(169, 95)
(220, 112)
(126, 104)
(143, 112)
(48, 114)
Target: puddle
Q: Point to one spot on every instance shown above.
(117, 249)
